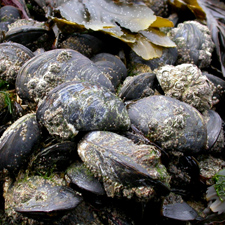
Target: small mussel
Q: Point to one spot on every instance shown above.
(55, 157)
(86, 44)
(18, 142)
(169, 57)
(81, 106)
(8, 14)
(126, 169)
(180, 212)
(186, 83)
(12, 57)
(215, 133)
(169, 122)
(41, 199)
(193, 42)
(138, 86)
(30, 33)
(118, 68)
(80, 177)
(54, 67)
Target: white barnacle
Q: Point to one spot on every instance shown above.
(64, 56)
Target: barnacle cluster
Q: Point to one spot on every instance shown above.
(186, 83)
(11, 59)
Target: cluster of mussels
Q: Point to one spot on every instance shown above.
(91, 133)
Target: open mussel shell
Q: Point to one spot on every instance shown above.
(54, 67)
(170, 123)
(138, 86)
(80, 177)
(81, 106)
(18, 142)
(86, 44)
(12, 57)
(118, 66)
(43, 199)
(118, 161)
(56, 157)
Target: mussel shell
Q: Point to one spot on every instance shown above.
(30, 33)
(53, 158)
(54, 67)
(12, 57)
(117, 159)
(9, 13)
(179, 211)
(111, 71)
(18, 142)
(81, 106)
(169, 57)
(214, 127)
(119, 66)
(169, 122)
(138, 86)
(41, 199)
(81, 177)
(193, 42)
(86, 44)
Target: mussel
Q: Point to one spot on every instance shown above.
(81, 106)
(51, 68)
(170, 123)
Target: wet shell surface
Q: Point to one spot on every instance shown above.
(119, 69)
(42, 199)
(18, 142)
(169, 122)
(49, 69)
(55, 157)
(193, 42)
(185, 82)
(126, 169)
(12, 57)
(138, 86)
(81, 106)
(79, 175)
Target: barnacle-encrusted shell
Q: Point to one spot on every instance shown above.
(185, 82)
(125, 168)
(193, 42)
(18, 141)
(81, 106)
(49, 69)
(12, 57)
(40, 198)
(170, 122)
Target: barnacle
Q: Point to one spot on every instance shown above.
(186, 83)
